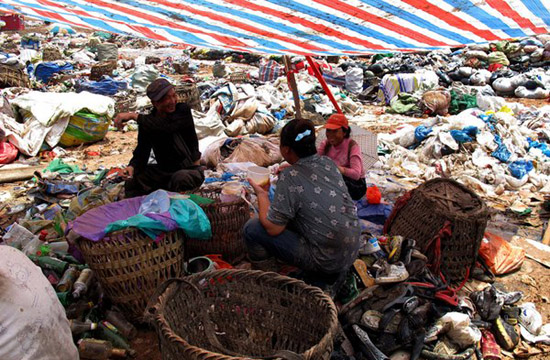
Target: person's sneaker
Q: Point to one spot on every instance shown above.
(391, 273)
(510, 314)
(509, 298)
(505, 334)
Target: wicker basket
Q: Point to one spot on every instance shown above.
(238, 77)
(423, 213)
(13, 77)
(189, 93)
(105, 68)
(227, 221)
(51, 54)
(242, 314)
(181, 68)
(130, 266)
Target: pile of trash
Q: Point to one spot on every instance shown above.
(494, 148)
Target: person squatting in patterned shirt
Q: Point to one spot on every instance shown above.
(312, 222)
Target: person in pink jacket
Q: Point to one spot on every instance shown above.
(346, 153)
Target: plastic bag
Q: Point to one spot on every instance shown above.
(501, 256)
(354, 80)
(422, 132)
(520, 168)
(8, 152)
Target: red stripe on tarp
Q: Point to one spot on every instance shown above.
(380, 21)
(450, 19)
(505, 9)
(237, 24)
(147, 32)
(56, 16)
(159, 21)
(298, 20)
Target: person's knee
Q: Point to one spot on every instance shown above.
(251, 228)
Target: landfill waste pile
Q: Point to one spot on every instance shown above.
(457, 115)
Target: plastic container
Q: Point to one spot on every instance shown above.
(17, 236)
(259, 175)
(231, 192)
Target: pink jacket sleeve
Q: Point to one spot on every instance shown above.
(321, 149)
(355, 169)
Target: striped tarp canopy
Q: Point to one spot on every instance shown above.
(305, 27)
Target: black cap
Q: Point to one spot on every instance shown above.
(158, 88)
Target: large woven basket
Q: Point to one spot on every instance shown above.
(105, 68)
(227, 221)
(243, 314)
(424, 213)
(51, 54)
(189, 93)
(130, 266)
(13, 77)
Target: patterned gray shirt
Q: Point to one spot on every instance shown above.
(312, 199)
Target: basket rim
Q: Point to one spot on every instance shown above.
(271, 277)
(482, 210)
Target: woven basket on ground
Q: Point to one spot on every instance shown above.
(181, 68)
(105, 68)
(227, 221)
(189, 93)
(13, 77)
(238, 77)
(431, 209)
(129, 266)
(242, 314)
(51, 54)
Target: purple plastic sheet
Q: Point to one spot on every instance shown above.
(91, 225)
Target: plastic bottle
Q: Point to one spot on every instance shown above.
(109, 332)
(81, 284)
(68, 279)
(77, 310)
(48, 262)
(66, 257)
(79, 327)
(59, 246)
(33, 246)
(125, 328)
(64, 298)
(93, 349)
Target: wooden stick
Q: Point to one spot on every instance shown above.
(293, 87)
(18, 174)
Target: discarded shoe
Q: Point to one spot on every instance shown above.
(509, 298)
(391, 273)
(487, 303)
(505, 334)
(368, 349)
(510, 314)
(489, 347)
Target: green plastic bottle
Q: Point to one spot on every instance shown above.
(109, 332)
(48, 262)
(65, 298)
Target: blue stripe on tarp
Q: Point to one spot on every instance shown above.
(485, 18)
(417, 20)
(539, 9)
(279, 27)
(185, 36)
(363, 30)
(205, 25)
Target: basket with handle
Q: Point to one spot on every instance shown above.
(129, 265)
(242, 314)
(446, 211)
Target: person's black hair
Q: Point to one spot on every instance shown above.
(347, 132)
(303, 147)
